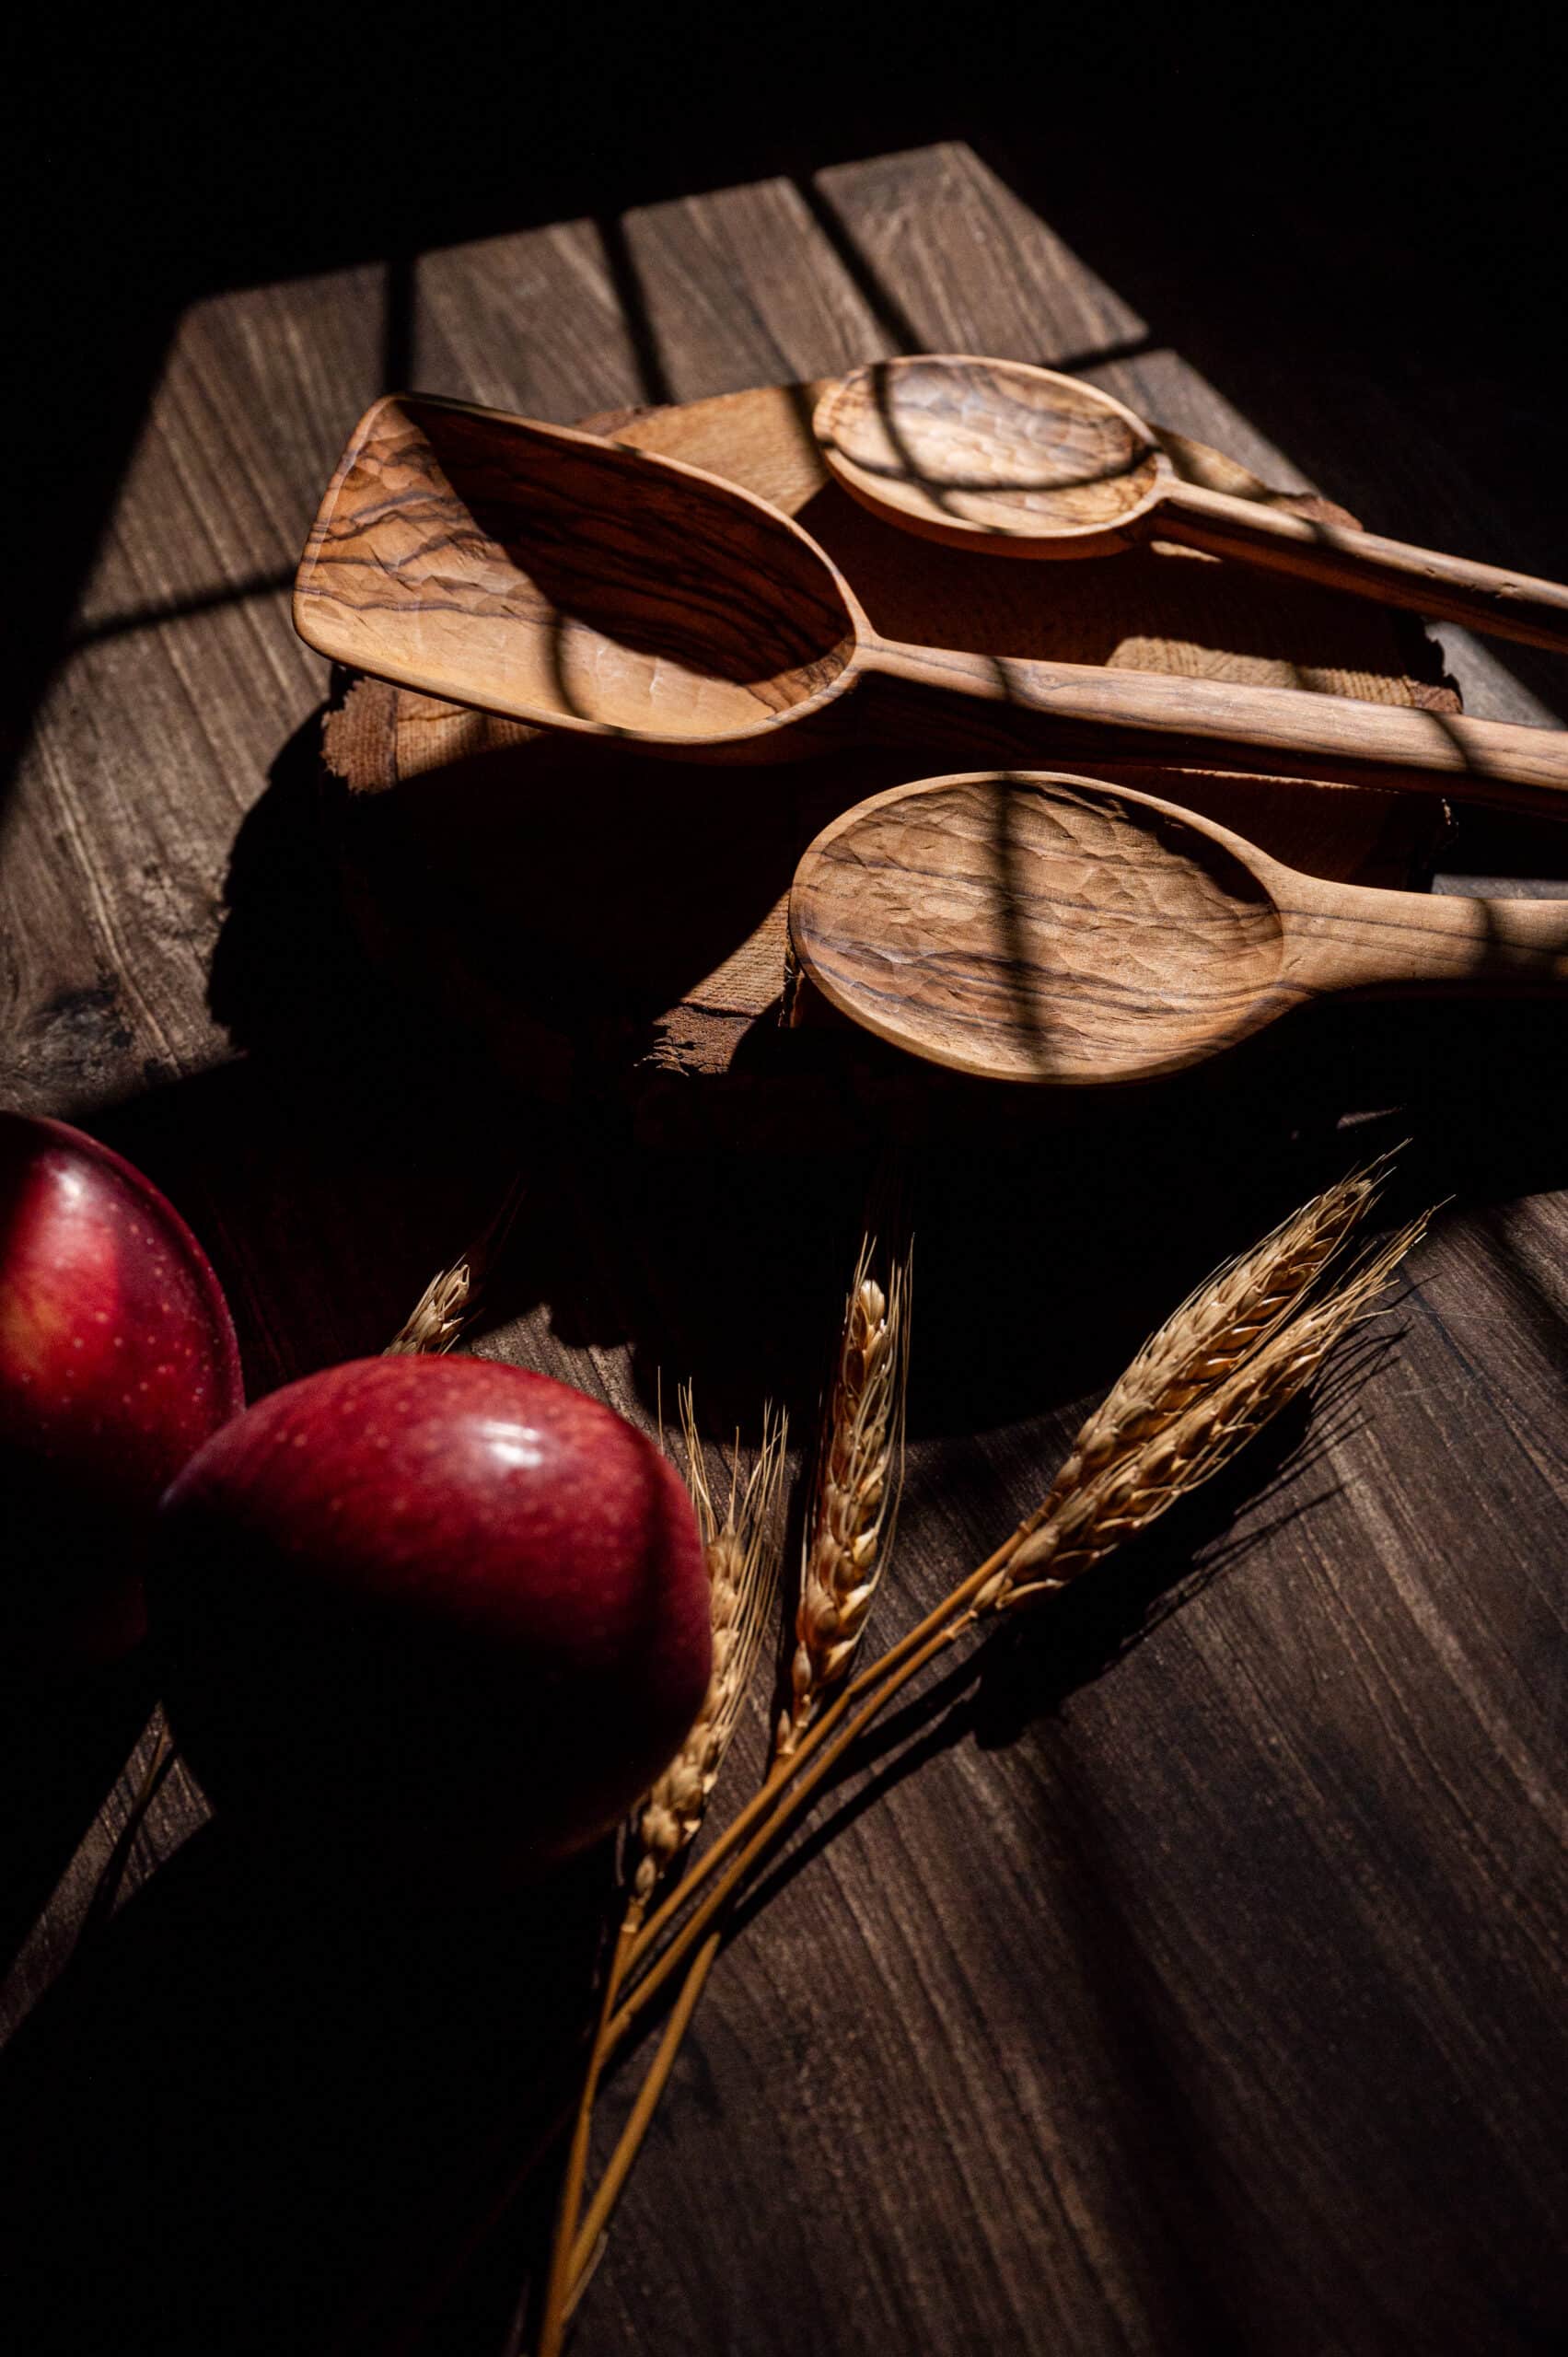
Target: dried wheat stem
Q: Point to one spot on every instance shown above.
(558, 2288)
(629, 2142)
(1137, 1488)
(774, 1825)
(1229, 1316)
(706, 1928)
(1081, 1521)
(1080, 1530)
(784, 1771)
(1211, 1334)
(859, 1472)
(743, 1553)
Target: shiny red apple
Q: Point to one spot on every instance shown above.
(437, 1611)
(117, 1360)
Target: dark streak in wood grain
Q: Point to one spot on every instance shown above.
(573, 580)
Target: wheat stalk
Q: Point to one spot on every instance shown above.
(1136, 1488)
(1207, 1337)
(1232, 1314)
(1059, 1540)
(743, 1553)
(859, 1473)
(1228, 1361)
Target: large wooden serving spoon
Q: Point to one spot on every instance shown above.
(1044, 928)
(1019, 461)
(558, 579)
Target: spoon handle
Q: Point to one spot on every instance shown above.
(1343, 937)
(1486, 597)
(1219, 724)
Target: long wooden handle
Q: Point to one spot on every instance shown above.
(1507, 605)
(1347, 938)
(1068, 708)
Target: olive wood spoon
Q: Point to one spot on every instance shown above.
(568, 581)
(1044, 928)
(1019, 461)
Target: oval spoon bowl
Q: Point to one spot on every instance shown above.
(962, 450)
(571, 581)
(1035, 926)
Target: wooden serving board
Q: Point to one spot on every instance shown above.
(579, 903)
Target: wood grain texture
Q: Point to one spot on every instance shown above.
(1194, 1983)
(1019, 461)
(549, 577)
(1453, 588)
(525, 569)
(1030, 463)
(1035, 928)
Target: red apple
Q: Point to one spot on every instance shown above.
(435, 1611)
(117, 1360)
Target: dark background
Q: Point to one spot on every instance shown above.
(1293, 189)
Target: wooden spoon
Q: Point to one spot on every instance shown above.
(993, 454)
(1043, 928)
(562, 579)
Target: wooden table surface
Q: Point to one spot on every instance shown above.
(1194, 1982)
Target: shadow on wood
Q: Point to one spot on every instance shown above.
(254, 2109)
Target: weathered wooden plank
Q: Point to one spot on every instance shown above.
(741, 288)
(524, 322)
(183, 684)
(956, 254)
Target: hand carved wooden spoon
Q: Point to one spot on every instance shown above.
(1035, 927)
(572, 582)
(993, 454)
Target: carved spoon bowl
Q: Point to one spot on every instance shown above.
(1037, 927)
(1020, 461)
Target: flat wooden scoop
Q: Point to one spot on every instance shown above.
(561, 579)
(1037, 927)
(1019, 461)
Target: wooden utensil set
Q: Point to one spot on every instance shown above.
(1011, 922)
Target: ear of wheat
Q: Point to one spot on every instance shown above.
(744, 1551)
(450, 1301)
(859, 1474)
(1232, 1314)
(1084, 1519)
(438, 1318)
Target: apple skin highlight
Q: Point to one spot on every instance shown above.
(435, 1614)
(117, 1361)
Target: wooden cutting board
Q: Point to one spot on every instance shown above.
(585, 908)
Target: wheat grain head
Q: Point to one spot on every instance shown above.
(855, 1503)
(1233, 1313)
(437, 1317)
(1087, 1521)
(744, 1551)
